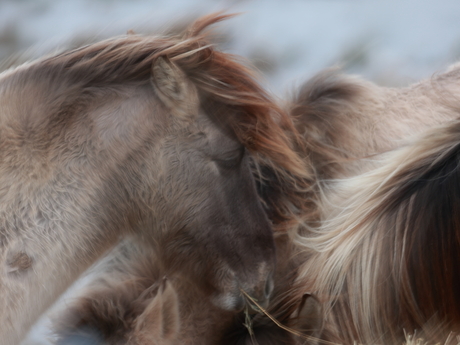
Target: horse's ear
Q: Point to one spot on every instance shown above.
(159, 323)
(308, 318)
(173, 88)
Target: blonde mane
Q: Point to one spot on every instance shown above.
(384, 257)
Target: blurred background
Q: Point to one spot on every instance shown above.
(392, 42)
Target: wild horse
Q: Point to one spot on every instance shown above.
(140, 136)
(373, 231)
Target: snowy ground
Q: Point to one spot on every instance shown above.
(393, 42)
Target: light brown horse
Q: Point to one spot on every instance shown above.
(379, 241)
(385, 258)
(147, 136)
(379, 238)
(379, 247)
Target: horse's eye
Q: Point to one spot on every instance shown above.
(231, 159)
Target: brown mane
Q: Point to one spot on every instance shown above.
(219, 76)
(87, 178)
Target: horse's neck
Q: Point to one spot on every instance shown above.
(62, 204)
(48, 239)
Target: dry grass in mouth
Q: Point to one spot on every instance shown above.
(256, 306)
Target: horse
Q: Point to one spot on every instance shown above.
(369, 150)
(383, 188)
(377, 241)
(382, 167)
(148, 137)
(384, 259)
(390, 246)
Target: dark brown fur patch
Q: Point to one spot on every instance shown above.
(19, 262)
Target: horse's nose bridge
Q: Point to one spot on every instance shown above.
(259, 282)
(261, 260)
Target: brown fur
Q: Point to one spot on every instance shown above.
(108, 309)
(400, 229)
(385, 258)
(345, 121)
(365, 244)
(121, 302)
(99, 142)
(394, 272)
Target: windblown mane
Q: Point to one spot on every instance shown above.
(386, 239)
(260, 124)
(384, 254)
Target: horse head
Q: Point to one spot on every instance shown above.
(210, 222)
(142, 136)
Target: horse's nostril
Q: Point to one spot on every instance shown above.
(269, 286)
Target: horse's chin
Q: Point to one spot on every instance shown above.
(236, 301)
(233, 294)
(228, 295)
(229, 301)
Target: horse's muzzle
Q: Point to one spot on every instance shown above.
(259, 297)
(253, 290)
